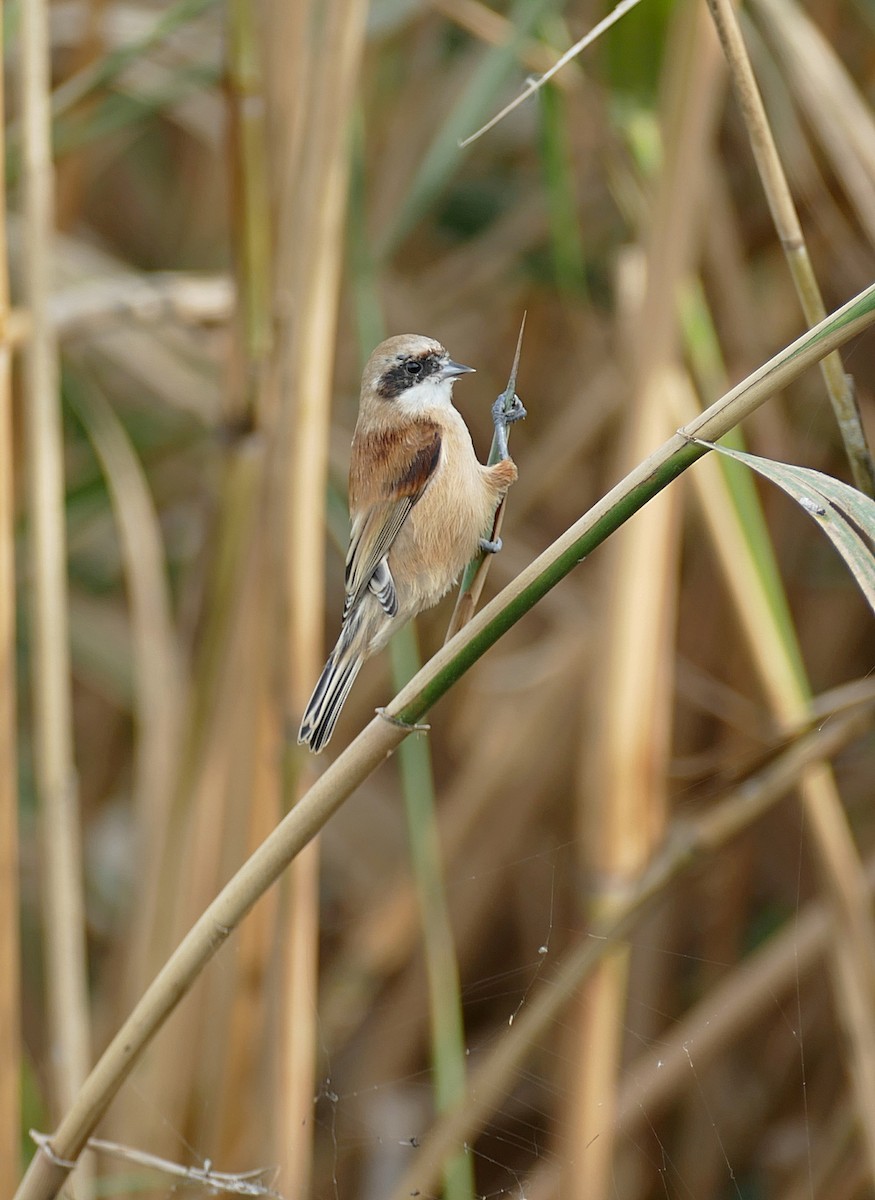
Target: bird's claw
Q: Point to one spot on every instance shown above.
(490, 547)
(515, 412)
(502, 418)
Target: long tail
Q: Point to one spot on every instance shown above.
(329, 696)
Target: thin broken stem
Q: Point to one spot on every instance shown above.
(534, 85)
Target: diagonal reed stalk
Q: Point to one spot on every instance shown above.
(10, 1046)
(50, 1168)
(63, 914)
(786, 220)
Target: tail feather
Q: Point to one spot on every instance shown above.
(329, 696)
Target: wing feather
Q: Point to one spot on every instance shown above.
(388, 475)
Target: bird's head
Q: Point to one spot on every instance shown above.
(409, 375)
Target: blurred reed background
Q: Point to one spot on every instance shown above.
(213, 213)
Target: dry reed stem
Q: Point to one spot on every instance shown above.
(789, 230)
(497, 1070)
(532, 86)
(624, 815)
(306, 358)
(46, 1173)
(239, 999)
(71, 179)
(159, 680)
(64, 915)
(238, 1125)
(243, 1183)
(210, 715)
(190, 843)
(89, 313)
(254, 244)
(240, 802)
(288, 68)
(832, 103)
(94, 306)
(10, 973)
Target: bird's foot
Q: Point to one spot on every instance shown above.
(516, 412)
(399, 724)
(502, 418)
(489, 547)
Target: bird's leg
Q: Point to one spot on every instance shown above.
(503, 417)
(490, 547)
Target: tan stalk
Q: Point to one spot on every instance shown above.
(206, 829)
(158, 669)
(73, 169)
(94, 306)
(159, 680)
(237, 1125)
(532, 85)
(789, 230)
(624, 775)
(196, 844)
(311, 223)
(64, 910)
(832, 103)
(245, 754)
(245, 731)
(10, 973)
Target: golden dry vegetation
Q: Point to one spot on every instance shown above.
(606, 930)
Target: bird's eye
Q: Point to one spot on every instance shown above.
(413, 367)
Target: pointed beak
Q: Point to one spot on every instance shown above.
(451, 369)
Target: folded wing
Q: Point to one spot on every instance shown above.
(406, 464)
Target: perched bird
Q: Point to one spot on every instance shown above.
(419, 504)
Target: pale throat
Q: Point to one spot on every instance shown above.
(416, 401)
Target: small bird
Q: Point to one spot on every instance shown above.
(419, 504)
